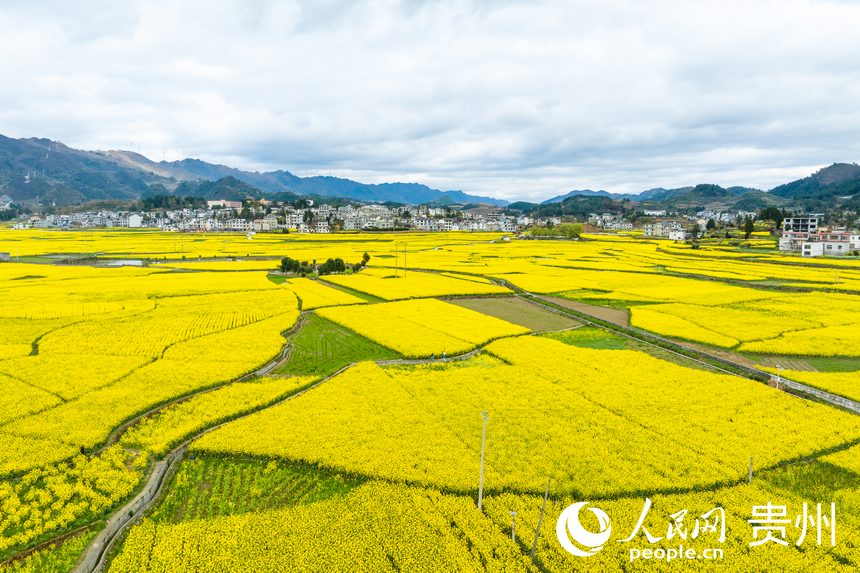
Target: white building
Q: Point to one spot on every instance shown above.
(826, 243)
(238, 225)
(135, 221)
(224, 204)
(265, 224)
(661, 229)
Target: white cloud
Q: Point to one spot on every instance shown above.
(511, 99)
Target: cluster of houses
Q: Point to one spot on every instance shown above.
(610, 222)
(663, 224)
(223, 215)
(806, 236)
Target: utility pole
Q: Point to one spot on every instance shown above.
(404, 260)
(484, 416)
(750, 469)
(540, 520)
(778, 375)
(513, 524)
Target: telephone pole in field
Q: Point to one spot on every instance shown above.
(540, 520)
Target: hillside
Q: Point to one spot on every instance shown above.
(831, 185)
(42, 170)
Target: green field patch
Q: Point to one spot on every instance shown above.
(590, 337)
(211, 486)
(323, 347)
(57, 557)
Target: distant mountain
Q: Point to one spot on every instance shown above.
(755, 200)
(41, 170)
(573, 206)
(659, 194)
(228, 188)
(832, 185)
(590, 193)
(285, 182)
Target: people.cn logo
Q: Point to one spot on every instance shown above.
(587, 543)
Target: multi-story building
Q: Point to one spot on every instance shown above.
(805, 224)
(661, 229)
(238, 225)
(797, 230)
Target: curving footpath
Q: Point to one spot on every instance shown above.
(96, 555)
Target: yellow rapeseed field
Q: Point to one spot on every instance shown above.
(599, 422)
(86, 348)
(422, 327)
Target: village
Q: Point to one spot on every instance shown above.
(802, 234)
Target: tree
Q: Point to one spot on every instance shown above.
(749, 227)
(365, 258)
(332, 266)
(711, 225)
(308, 217)
(694, 232)
(289, 265)
(772, 214)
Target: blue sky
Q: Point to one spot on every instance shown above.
(517, 100)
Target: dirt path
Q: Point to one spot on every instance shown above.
(615, 316)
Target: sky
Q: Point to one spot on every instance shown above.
(514, 100)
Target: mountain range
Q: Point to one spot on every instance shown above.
(43, 171)
(47, 171)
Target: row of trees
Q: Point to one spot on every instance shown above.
(329, 267)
